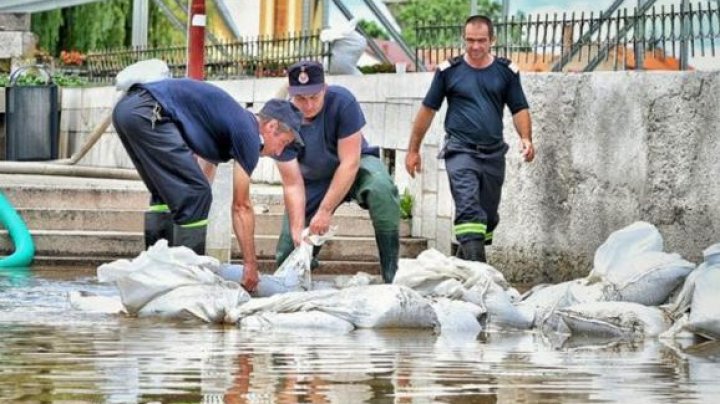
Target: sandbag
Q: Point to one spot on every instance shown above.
(457, 316)
(373, 306)
(157, 273)
(144, 71)
(303, 320)
(681, 303)
(649, 278)
(614, 319)
(622, 245)
(704, 319)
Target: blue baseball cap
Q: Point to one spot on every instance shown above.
(287, 113)
(305, 77)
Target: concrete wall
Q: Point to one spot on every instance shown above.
(612, 148)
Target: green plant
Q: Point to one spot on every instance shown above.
(34, 79)
(406, 205)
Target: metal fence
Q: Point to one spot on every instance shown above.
(262, 56)
(649, 37)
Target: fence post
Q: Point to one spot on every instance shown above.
(684, 34)
(640, 33)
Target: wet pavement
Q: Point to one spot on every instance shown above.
(50, 352)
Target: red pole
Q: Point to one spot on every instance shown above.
(196, 40)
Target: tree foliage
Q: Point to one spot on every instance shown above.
(99, 25)
(433, 12)
(372, 29)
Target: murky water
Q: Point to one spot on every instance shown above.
(51, 353)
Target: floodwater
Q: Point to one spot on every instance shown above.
(52, 353)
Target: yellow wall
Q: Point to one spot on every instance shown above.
(280, 17)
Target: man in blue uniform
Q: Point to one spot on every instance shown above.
(335, 165)
(477, 86)
(170, 128)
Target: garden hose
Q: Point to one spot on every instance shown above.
(18, 231)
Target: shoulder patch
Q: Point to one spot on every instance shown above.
(509, 64)
(450, 63)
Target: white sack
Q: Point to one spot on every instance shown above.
(302, 320)
(161, 270)
(704, 317)
(209, 303)
(622, 245)
(614, 319)
(458, 317)
(374, 306)
(649, 278)
(144, 71)
(683, 300)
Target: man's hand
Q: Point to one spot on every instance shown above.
(251, 277)
(413, 163)
(528, 150)
(320, 223)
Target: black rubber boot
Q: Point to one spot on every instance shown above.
(459, 252)
(158, 225)
(474, 250)
(190, 237)
(388, 246)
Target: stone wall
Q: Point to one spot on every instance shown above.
(613, 148)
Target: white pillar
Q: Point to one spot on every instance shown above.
(219, 233)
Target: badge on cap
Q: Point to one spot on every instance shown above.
(303, 77)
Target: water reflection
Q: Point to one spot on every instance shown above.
(51, 353)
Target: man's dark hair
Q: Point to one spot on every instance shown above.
(481, 19)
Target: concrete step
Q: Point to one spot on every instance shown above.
(349, 222)
(118, 244)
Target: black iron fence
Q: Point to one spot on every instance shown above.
(262, 56)
(650, 37)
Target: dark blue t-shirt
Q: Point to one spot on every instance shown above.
(212, 123)
(476, 98)
(339, 118)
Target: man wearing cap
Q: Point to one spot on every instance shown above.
(336, 164)
(172, 127)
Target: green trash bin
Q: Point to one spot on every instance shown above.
(31, 116)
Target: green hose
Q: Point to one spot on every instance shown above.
(24, 246)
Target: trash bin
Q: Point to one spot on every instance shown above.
(31, 116)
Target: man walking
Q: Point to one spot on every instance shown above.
(477, 86)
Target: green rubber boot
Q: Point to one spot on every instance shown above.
(158, 225)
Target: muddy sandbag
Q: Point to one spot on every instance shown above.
(704, 317)
(623, 244)
(457, 316)
(302, 320)
(614, 319)
(649, 278)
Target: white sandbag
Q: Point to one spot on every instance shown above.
(268, 285)
(704, 317)
(501, 312)
(544, 300)
(681, 303)
(614, 319)
(624, 244)
(93, 303)
(457, 316)
(381, 306)
(162, 269)
(347, 45)
(144, 71)
(649, 278)
(432, 268)
(209, 303)
(373, 306)
(303, 320)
